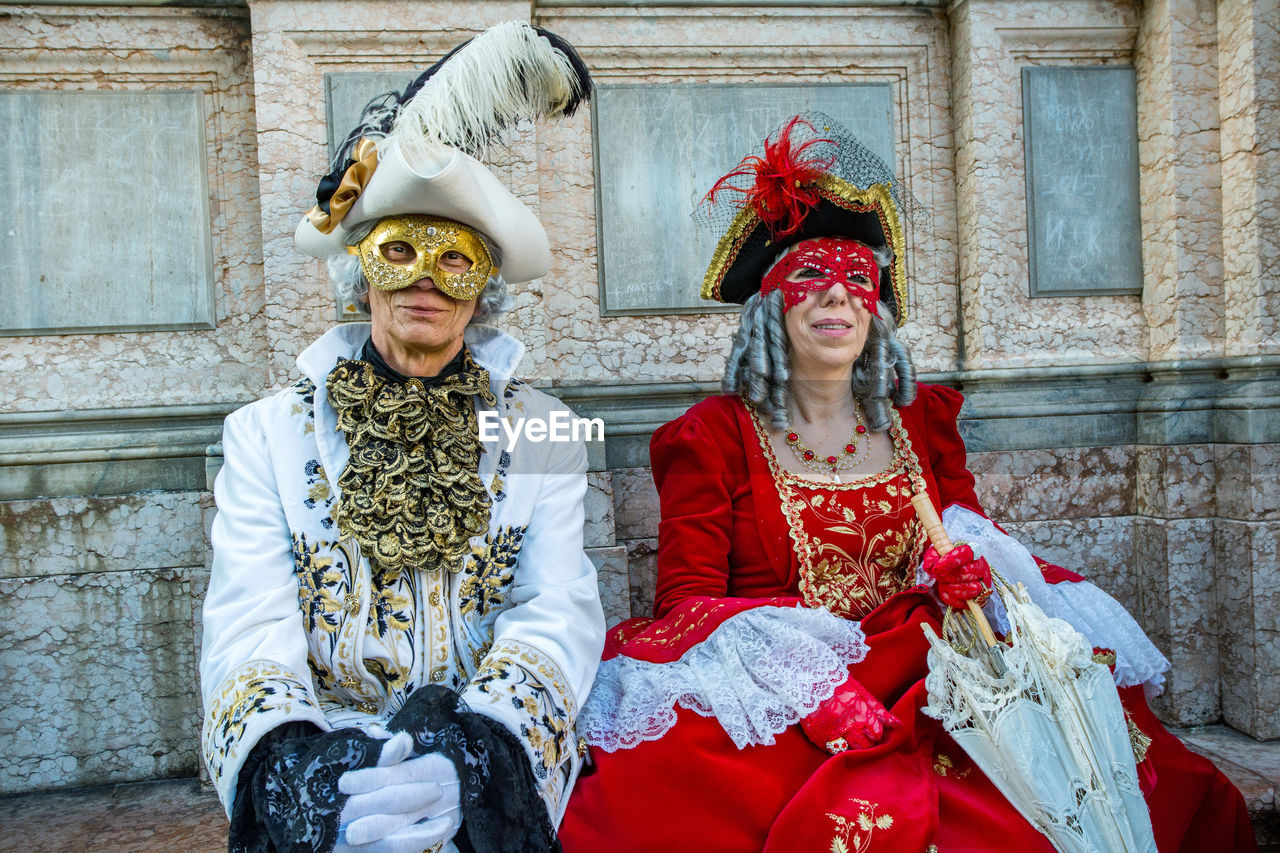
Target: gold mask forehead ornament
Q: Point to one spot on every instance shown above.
(431, 238)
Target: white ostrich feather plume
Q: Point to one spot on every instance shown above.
(504, 75)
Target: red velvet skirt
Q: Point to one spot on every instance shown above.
(693, 790)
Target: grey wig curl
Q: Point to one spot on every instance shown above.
(759, 363)
(350, 284)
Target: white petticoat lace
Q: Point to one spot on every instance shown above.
(1102, 620)
(758, 673)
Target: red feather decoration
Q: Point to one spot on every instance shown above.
(783, 191)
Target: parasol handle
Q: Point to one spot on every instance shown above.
(942, 544)
(932, 524)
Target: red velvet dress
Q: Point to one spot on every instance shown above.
(738, 532)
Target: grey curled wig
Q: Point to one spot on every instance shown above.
(759, 364)
(350, 284)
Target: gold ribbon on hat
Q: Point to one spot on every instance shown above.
(354, 180)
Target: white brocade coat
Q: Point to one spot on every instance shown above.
(295, 628)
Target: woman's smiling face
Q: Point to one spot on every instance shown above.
(827, 319)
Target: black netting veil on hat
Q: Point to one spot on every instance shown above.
(813, 179)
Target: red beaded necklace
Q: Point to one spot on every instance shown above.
(849, 457)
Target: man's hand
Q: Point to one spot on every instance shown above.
(960, 577)
(400, 806)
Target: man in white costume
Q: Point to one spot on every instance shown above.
(401, 624)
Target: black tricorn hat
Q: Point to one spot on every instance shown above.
(815, 179)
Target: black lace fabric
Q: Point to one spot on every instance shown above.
(287, 799)
(501, 809)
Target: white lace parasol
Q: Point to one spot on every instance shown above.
(1049, 731)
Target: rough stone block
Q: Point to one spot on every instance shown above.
(1248, 592)
(1246, 481)
(636, 503)
(99, 677)
(1069, 482)
(1101, 549)
(642, 565)
(1182, 587)
(76, 535)
(615, 592)
(1175, 481)
(598, 530)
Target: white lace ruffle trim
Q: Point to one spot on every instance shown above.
(1102, 620)
(758, 673)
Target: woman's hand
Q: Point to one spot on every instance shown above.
(850, 719)
(960, 577)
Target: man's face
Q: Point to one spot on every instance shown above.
(403, 249)
(419, 320)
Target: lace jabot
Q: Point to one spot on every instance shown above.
(411, 493)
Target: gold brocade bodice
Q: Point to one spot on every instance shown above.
(859, 542)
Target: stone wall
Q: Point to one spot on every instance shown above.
(1133, 438)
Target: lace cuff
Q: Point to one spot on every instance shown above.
(255, 698)
(758, 673)
(1085, 607)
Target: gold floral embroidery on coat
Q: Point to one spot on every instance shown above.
(319, 494)
(322, 586)
(489, 572)
(535, 687)
(326, 598)
(853, 834)
(306, 391)
(411, 492)
(255, 687)
(392, 622)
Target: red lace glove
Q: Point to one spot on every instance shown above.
(960, 577)
(850, 719)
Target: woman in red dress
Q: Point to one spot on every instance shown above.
(777, 700)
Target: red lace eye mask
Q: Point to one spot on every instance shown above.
(838, 260)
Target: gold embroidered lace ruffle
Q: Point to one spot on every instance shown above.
(411, 493)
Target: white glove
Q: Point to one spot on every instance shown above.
(394, 806)
(415, 838)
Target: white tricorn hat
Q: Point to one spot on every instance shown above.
(412, 153)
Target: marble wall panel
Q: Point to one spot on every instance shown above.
(635, 503)
(615, 589)
(153, 49)
(1179, 155)
(1101, 549)
(1246, 481)
(1080, 129)
(1248, 44)
(108, 659)
(991, 41)
(151, 270)
(1178, 599)
(598, 505)
(1176, 481)
(905, 47)
(1248, 591)
(642, 567)
(1068, 482)
(78, 535)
